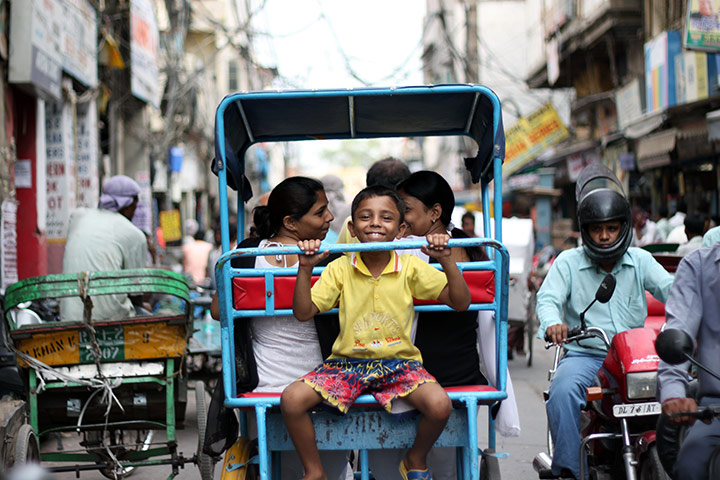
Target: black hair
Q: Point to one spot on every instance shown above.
(388, 172)
(292, 197)
(694, 224)
(378, 191)
(663, 211)
(469, 215)
(430, 188)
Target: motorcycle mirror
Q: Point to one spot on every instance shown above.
(674, 346)
(606, 289)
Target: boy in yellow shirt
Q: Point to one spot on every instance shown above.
(373, 352)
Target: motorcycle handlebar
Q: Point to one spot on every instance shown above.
(702, 413)
(576, 334)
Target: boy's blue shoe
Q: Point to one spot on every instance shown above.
(413, 474)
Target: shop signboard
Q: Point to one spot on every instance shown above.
(144, 40)
(531, 135)
(87, 158)
(702, 26)
(660, 53)
(79, 41)
(629, 104)
(35, 53)
(61, 178)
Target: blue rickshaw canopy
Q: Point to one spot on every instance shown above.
(244, 119)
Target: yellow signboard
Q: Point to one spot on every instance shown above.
(170, 225)
(116, 342)
(531, 135)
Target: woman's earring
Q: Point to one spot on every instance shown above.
(433, 221)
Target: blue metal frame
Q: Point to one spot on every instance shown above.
(498, 263)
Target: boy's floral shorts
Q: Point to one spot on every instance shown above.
(341, 380)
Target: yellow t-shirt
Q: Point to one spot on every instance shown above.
(376, 314)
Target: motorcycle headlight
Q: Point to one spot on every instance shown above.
(641, 385)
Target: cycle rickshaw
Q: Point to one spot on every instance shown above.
(244, 119)
(117, 383)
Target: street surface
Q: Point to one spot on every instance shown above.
(529, 384)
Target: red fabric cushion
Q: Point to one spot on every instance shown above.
(249, 292)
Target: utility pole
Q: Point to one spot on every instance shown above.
(471, 43)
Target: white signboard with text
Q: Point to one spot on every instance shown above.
(79, 41)
(87, 158)
(144, 40)
(35, 53)
(61, 179)
(8, 252)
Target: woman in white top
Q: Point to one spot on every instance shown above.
(284, 349)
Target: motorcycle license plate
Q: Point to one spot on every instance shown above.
(637, 409)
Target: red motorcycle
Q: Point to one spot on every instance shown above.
(618, 422)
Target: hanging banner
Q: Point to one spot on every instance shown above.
(531, 135)
(702, 26)
(8, 236)
(144, 41)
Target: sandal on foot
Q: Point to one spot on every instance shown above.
(413, 474)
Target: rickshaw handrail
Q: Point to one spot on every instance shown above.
(129, 282)
(366, 247)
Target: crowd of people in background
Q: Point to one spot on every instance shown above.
(682, 232)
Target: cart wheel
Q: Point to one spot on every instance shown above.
(489, 466)
(205, 463)
(27, 449)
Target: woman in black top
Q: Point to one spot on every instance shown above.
(447, 340)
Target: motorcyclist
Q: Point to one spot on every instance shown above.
(693, 305)
(605, 224)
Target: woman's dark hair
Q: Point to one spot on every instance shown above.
(292, 197)
(430, 188)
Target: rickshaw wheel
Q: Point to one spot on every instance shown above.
(489, 465)
(27, 449)
(205, 463)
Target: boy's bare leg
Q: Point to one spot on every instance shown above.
(296, 400)
(435, 406)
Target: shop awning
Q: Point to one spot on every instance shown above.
(713, 125)
(644, 125)
(654, 150)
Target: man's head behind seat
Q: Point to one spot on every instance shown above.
(120, 194)
(388, 172)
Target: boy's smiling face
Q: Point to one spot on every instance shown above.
(377, 219)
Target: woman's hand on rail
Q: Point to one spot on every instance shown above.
(312, 255)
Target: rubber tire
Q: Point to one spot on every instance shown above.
(27, 448)
(650, 467)
(530, 339)
(205, 463)
(489, 466)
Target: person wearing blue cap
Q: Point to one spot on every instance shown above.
(105, 239)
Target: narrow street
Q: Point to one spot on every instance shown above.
(529, 383)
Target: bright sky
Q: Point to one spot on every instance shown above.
(340, 44)
(324, 43)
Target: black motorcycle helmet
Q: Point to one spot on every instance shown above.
(601, 199)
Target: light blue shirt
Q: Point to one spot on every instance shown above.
(694, 306)
(711, 237)
(570, 287)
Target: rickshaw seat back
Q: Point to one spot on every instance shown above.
(250, 293)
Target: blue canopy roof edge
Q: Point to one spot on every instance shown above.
(243, 119)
